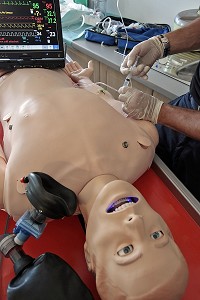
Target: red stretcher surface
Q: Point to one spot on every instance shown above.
(185, 230)
(66, 237)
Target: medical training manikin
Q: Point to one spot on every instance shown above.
(66, 149)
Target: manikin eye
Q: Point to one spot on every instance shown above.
(125, 250)
(157, 235)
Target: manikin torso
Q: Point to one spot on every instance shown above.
(66, 132)
(84, 143)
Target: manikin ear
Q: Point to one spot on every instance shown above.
(88, 258)
(144, 142)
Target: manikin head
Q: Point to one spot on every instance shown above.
(130, 248)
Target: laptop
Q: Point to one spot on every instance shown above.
(31, 34)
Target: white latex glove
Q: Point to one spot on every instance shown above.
(139, 105)
(148, 52)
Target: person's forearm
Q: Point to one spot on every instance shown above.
(185, 38)
(181, 119)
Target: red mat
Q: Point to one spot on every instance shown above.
(185, 230)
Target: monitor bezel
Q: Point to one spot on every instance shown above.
(43, 55)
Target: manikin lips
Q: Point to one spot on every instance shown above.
(120, 202)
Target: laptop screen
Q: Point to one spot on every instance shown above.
(30, 34)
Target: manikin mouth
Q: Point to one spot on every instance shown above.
(121, 204)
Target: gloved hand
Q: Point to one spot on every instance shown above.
(139, 105)
(148, 52)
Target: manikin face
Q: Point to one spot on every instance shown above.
(130, 247)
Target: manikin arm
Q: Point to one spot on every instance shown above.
(2, 155)
(73, 68)
(82, 78)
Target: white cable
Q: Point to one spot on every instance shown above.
(124, 53)
(107, 85)
(109, 24)
(97, 83)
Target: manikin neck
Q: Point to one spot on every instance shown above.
(89, 193)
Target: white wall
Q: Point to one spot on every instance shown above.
(151, 11)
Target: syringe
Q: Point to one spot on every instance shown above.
(129, 76)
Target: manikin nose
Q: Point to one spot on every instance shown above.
(134, 220)
(135, 224)
(133, 217)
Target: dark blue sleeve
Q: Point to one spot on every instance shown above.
(195, 85)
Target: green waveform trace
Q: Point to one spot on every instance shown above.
(15, 3)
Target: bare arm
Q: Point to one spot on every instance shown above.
(180, 40)
(139, 105)
(181, 119)
(185, 38)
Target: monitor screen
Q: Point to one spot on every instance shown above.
(30, 29)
